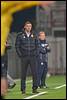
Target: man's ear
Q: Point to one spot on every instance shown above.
(24, 27)
(39, 37)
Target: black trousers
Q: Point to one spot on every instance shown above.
(25, 61)
(4, 65)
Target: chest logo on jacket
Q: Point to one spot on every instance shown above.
(23, 35)
(32, 35)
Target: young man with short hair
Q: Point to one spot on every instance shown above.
(26, 45)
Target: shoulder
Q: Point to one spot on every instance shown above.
(46, 41)
(34, 33)
(20, 34)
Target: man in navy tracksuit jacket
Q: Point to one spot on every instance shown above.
(43, 49)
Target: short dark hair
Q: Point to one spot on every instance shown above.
(27, 22)
(41, 32)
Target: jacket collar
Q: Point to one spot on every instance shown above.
(23, 31)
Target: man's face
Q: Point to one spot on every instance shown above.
(28, 27)
(42, 36)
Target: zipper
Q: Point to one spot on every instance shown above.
(28, 45)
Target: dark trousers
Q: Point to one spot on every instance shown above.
(4, 65)
(42, 72)
(25, 62)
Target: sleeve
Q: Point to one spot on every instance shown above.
(17, 46)
(8, 46)
(9, 42)
(47, 47)
(42, 50)
(36, 40)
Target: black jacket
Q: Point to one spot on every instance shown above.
(26, 46)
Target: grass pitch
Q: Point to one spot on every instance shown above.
(51, 93)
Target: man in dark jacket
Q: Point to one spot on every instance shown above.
(43, 49)
(26, 45)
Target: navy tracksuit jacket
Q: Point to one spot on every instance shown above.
(43, 49)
